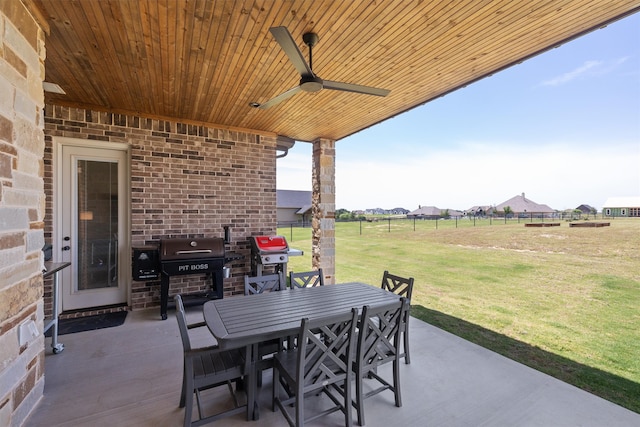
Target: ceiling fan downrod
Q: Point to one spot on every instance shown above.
(310, 39)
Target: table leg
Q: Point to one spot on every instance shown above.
(55, 345)
(164, 295)
(251, 385)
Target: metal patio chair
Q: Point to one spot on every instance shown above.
(205, 368)
(317, 365)
(378, 343)
(267, 283)
(256, 285)
(403, 287)
(306, 279)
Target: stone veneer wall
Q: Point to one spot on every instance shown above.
(323, 207)
(186, 181)
(22, 57)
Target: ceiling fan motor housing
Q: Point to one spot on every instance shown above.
(311, 83)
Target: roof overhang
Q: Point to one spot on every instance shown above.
(205, 62)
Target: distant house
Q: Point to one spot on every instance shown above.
(425, 212)
(480, 211)
(431, 212)
(293, 206)
(523, 207)
(454, 213)
(586, 209)
(399, 211)
(376, 211)
(622, 206)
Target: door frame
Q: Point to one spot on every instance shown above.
(56, 235)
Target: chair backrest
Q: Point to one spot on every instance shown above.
(306, 279)
(379, 334)
(398, 285)
(260, 284)
(182, 323)
(326, 348)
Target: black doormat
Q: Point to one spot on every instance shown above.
(89, 323)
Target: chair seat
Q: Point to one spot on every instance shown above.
(219, 365)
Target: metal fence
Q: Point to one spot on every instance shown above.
(391, 223)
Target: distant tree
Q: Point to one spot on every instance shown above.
(341, 212)
(445, 213)
(508, 211)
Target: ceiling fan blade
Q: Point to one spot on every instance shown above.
(348, 87)
(278, 99)
(286, 42)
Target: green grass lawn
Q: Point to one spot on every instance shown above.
(562, 300)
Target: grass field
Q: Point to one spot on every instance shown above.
(562, 300)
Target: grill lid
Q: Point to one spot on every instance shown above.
(269, 244)
(186, 249)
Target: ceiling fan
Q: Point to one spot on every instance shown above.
(309, 81)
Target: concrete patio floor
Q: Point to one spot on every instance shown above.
(130, 375)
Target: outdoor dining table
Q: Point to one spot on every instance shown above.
(245, 321)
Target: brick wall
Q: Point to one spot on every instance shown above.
(21, 210)
(187, 180)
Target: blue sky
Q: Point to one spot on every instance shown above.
(563, 128)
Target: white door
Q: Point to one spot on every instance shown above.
(92, 216)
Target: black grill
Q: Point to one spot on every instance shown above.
(191, 256)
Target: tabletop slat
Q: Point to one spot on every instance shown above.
(242, 320)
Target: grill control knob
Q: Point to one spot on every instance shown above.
(193, 244)
(267, 259)
(281, 257)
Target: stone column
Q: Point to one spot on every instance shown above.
(22, 201)
(323, 200)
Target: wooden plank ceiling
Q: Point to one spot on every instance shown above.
(205, 61)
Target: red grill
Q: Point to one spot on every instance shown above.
(269, 251)
(191, 256)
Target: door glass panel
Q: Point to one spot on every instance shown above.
(97, 195)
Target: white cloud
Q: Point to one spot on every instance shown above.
(572, 75)
(588, 69)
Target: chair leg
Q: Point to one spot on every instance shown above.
(348, 416)
(183, 394)
(299, 409)
(274, 388)
(359, 400)
(188, 406)
(396, 382)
